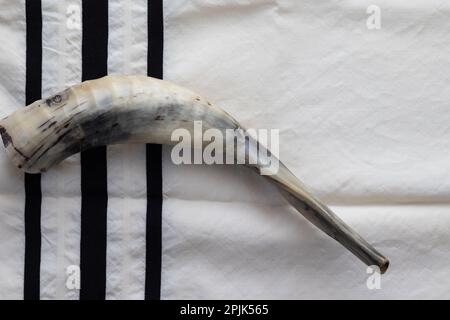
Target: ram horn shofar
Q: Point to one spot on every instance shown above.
(139, 109)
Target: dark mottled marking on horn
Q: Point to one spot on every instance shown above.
(61, 106)
(78, 105)
(57, 99)
(50, 125)
(47, 121)
(7, 141)
(36, 151)
(77, 113)
(51, 146)
(21, 153)
(67, 122)
(5, 137)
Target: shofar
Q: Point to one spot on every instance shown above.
(139, 109)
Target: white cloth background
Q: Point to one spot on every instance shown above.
(364, 119)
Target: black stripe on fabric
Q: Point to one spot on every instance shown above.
(94, 192)
(33, 194)
(153, 160)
